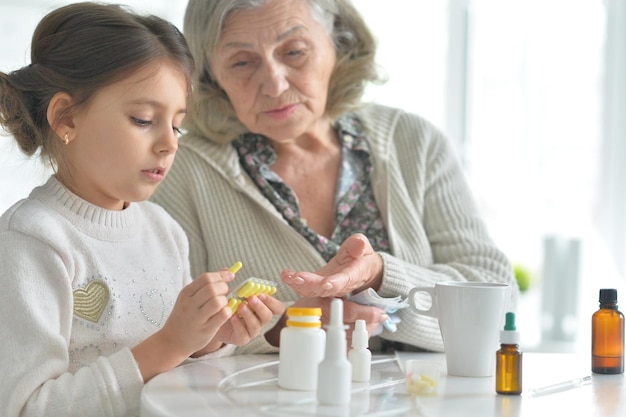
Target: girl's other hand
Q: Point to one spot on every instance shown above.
(250, 319)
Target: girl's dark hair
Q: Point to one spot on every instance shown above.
(79, 49)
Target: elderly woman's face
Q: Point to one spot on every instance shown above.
(275, 63)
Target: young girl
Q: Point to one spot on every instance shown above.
(96, 294)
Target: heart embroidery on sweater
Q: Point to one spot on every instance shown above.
(90, 302)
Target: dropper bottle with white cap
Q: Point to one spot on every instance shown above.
(359, 356)
(335, 372)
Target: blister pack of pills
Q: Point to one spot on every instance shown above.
(251, 286)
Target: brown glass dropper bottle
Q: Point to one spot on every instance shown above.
(607, 335)
(509, 360)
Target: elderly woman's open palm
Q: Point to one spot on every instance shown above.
(355, 267)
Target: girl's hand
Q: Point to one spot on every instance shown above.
(200, 310)
(355, 267)
(250, 319)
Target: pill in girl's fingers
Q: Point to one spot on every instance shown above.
(233, 304)
(235, 267)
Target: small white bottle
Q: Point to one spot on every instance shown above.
(334, 382)
(302, 344)
(360, 356)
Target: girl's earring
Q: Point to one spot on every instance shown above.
(66, 139)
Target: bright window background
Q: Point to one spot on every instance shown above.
(412, 52)
(534, 137)
(518, 85)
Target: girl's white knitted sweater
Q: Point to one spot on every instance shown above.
(80, 286)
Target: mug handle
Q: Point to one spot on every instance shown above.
(431, 312)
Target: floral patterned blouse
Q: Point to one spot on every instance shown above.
(356, 209)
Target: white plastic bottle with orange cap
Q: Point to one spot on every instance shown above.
(302, 344)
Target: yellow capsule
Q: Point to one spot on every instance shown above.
(235, 267)
(244, 288)
(233, 303)
(248, 289)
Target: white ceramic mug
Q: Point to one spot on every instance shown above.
(470, 316)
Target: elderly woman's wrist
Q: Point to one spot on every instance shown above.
(377, 280)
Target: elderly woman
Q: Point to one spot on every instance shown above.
(284, 168)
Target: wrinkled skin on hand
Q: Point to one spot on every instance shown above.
(355, 267)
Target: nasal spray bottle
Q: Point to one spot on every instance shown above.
(359, 356)
(335, 372)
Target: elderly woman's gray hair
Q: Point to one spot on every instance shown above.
(210, 113)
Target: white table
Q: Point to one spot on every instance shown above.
(247, 386)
